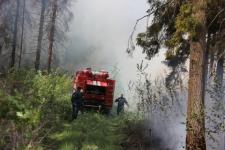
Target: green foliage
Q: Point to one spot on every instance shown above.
(171, 22)
(34, 115)
(33, 103)
(172, 27)
(93, 131)
(89, 131)
(185, 24)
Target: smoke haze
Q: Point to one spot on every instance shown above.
(98, 39)
(99, 35)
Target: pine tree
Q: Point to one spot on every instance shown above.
(22, 34)
(14, 43)
(196, 87)
(189, 30)
(52, 34)
(40, 34)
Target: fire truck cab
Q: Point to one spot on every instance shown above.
(98, 88)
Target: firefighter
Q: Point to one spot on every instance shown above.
(121, 101)
(77, 103)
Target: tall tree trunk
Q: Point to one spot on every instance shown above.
(212, 59)
(1, 49)
(51, 35)
(195, 139)
(219, 86)
(14, 44)
(219, 72)
(22, 34)
(40, 35)
(207, 68)
(219, 80)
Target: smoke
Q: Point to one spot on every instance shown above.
(144, 136)
(215, 111)
(165, 136)
(99, 36)
(98, 39)
(170, 132)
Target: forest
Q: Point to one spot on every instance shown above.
(181, 108)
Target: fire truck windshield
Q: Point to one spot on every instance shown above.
(97, 90)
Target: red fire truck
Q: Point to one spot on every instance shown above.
(98, 88)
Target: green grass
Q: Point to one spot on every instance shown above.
(91, 131)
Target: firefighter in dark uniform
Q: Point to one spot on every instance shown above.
(77, 103)
(121, 101)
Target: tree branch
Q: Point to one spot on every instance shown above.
(130, 40)
(217, 15)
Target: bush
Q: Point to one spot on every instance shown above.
(31, 105)
(34, 111)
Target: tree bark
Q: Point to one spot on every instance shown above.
(51, 35)
(22, 34)
(40, 35)
(195, 138)
(14, 44)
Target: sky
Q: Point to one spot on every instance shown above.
(99, 33)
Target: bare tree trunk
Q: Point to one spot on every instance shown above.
(195, 139)
(212, 59)
(219, 72)
(14, 44)
(207, 68)
(40, 35)
(51, 35)
(22, 35)
(1, 49)
(219, 86)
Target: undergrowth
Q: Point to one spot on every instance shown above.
(35, 113)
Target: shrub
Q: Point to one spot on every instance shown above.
(31, 105)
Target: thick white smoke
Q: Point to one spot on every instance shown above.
(98, 39)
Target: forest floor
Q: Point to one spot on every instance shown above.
(93, 131)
